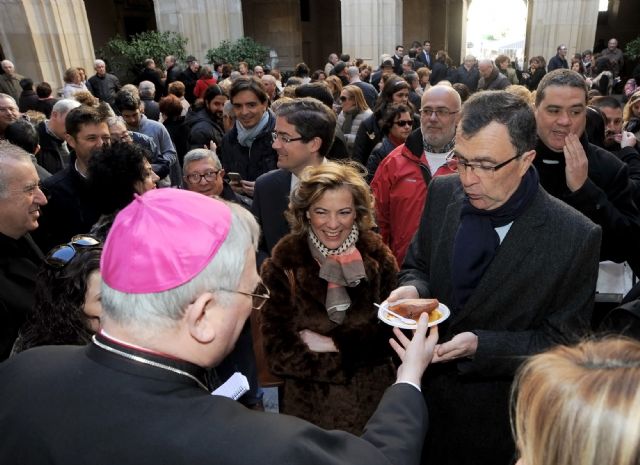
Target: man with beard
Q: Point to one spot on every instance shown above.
(206, 124)
(400, 183)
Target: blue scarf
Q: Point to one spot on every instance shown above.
(477, 242)
(247, 136)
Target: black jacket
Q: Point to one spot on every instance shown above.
(19, 262)
(104, 87)
(51, 155)
(606, 198)
(70, 210)
(469, 78)
(250, 162)
(203, 128)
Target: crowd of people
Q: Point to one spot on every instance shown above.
(160, 236)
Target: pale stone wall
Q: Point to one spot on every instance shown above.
(205, 24)
(555, 22)
(371, 28)
(43, 38)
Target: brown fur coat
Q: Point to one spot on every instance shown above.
(332, 390)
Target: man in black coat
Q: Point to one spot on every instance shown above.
(71, 209)
(103, 85)
(585, 176)
(152, 74)
(54, 154)
(559, 60)
(516, 267)
(425, 56)
(172, 72)
(189, 77)
(205, 125)
(20, 257)
(139, 392)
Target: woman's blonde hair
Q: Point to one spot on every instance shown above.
(70, 74)
(316, 180)
(335, 86)
(627, 113)
(358, 96)
(579, 405)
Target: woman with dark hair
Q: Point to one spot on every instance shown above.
(67, 306)
(318, 75)
(319, 327)
(535, 74)
(395, 90)
(397, 124)
(596, 126)
(440, 68)
(171, 111)
(116, 173)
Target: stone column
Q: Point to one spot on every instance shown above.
(43, 39)
(371, 28)
(555, 22)
(204, 23)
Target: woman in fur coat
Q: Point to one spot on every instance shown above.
(320, 329)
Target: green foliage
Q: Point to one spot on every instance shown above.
(244, 49)
(125, 58)
(632, 50)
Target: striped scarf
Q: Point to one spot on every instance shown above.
(341, 267)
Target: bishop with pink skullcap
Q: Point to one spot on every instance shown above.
(187, 230)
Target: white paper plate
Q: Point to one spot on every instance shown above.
(391, 320)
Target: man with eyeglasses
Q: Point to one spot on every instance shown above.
(400, 183)
(172, 309)
(71, 209)
(588, 178)
(559, 60)
(20, 257)
(302, 136)
(203, 173)
(516, 267)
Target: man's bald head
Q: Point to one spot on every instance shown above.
(440, 107)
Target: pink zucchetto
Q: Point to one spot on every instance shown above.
(162, 240)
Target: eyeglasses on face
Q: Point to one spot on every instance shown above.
(195, 178)
(259, 296)
(284, 138)
(61, 255)
(439, 112)
(402, 123)
(482, 169)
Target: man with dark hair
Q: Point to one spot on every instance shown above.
(559, 60)
(28, 99)
(172, 72)
(587, 177)
(130, 107)
(397, 60)
(246, 149)
(54, 153)
(493, 246)
(45, 100)
(71, 209)
(189, 77)
(21, 133)
(425, 55)
(303, 134)
(103, 85)
(205, 125)
(20, 258)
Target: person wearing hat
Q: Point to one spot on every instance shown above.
(189, 77)
(340, 70)
(138, 393)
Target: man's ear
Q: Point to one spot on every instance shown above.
(316, 143)
(71, 142)
(199, 318)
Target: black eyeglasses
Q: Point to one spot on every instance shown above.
(481, 169)
(439, 112)
(284, 138)
(403, 123)
(195, 178)
(259, 296)
(60, 256)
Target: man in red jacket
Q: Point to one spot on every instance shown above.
(400, 183)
